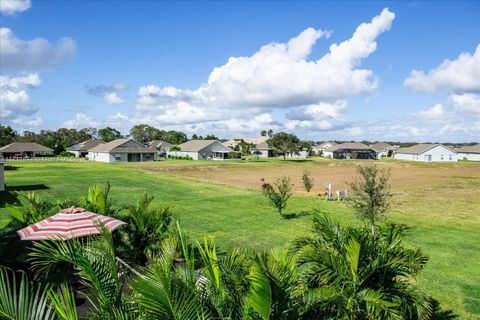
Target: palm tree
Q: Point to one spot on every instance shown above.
(97, 200)
(354, 273)
(146, 227)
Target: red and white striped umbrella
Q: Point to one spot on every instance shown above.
(69, 223)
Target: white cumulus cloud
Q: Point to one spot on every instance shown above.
(33, 55)
(279, 76)
(10, 7)
(434, 113)
(15, 98)
(80, 121)
(459, 75)
(113, 98)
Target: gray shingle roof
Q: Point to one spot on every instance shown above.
(263, 146)
(469, 149)
(85, 145)
(115, 146)
(18, 147)
(420, 148)
(159, 143)
(351, 145)
(382, 146)
(197, 145)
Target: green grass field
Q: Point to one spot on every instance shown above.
(445, 223)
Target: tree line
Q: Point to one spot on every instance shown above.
(63, 138)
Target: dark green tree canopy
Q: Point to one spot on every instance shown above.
(108, 134)
(145, 133)
(285, 143)
(7, 135)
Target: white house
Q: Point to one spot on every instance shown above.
(319, 149)
(81, 149)
(263, 150)
(162, 147)
(426, 152)
(205, 150)
(384, 149)
(471, 153)
(122, 150)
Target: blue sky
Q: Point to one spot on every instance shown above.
(120, 63)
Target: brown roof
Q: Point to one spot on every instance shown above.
(351, 145)
(469, 149)
(116, 146)
(18, 147)
(85, 145)
(421, 148)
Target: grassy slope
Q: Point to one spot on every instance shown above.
(237, 216)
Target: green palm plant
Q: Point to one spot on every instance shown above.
(25, 301)
(93, 260)
(272, 280)
(166, 291)
(352, 273)
(225, 282)
(146, 227)
(97, 200)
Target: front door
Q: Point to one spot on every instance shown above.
(428, 157)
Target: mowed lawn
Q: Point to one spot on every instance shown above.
(440, 203)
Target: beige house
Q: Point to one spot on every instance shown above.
(205, 150)
(81, 149)
(122, 150)
(232, 143)
(319, 149)
(24, 149)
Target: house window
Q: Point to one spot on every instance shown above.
(441, 157)
(118, 157)
(450, 157)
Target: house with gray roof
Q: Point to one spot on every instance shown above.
(352, 150)
(25, 149)
(385, 149)
(81, 149)
(426, 152)
(162, 147)
(320, 148)
(122, 150)
(471, 153)
(205, 150)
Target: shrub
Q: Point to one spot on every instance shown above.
(66, 154)
(279, 193)
(307, 181)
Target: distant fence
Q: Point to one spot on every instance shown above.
(46, 160)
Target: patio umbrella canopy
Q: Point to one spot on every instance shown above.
(68, 224)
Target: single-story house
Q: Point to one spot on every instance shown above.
(81, 149)
(122, 150)
(319, 149)
(302, 154)
(351, 150)
(265, 151)
(426, 152)
(471, 153)
(25, 149)
(2, 179)
(162, 147)
(385, 149)
(205, 150)
(232, 143)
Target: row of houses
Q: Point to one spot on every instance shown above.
(129, 150)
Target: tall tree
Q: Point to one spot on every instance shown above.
(176, 137)
(7, 135)
(285, 143)
(145, 133)
(108, 134)
(210, 137)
